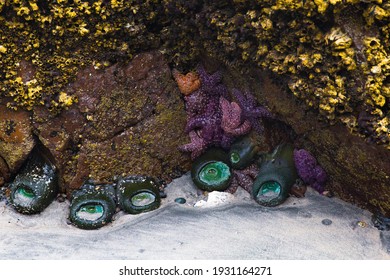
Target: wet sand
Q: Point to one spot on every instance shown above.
(224, 227)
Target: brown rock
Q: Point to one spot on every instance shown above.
(61, 135)
(16, 140)
(129, 121)
(4, 172)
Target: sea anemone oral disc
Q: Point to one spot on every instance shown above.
(137, 194)
(24, 192)
(214, 173)
(143, 199)
(92, 206)
(91, 212)
(211, 171)
(270, 189)
(235, 157)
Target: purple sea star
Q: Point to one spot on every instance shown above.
(309, 170)
(204, 112)
(244, 178)
(196, 147)
(232, 122)
(251, 110)
(208, 123)
(196, 103)
(211, 84)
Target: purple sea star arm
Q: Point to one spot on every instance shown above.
(252, 170)
(196, 147)
(260, 112)
(244, 178)
(231, 118)
(309, 170)
(240, 97)
(196, 103)
(197, 122)
(251, 110)
(234, 185)
(208, 81)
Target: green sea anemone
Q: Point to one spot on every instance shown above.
(137, 194)
(92, 206)
(211, 171)
(276, 177)
(35, 186)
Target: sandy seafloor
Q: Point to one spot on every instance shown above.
(225, 227)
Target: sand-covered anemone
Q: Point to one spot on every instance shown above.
(243, 152)
(35, 186)
(92, 206)
(137, 194)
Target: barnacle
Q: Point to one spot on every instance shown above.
(311, 44)
(337, 39)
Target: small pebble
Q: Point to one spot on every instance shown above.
(163, 194)
(180, 200)
(61, 199)
(328, 194)
(326, 222)
(362, 224)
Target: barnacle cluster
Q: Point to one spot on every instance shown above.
(332, 54)
(57, 38)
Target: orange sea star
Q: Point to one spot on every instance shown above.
(187, 83)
